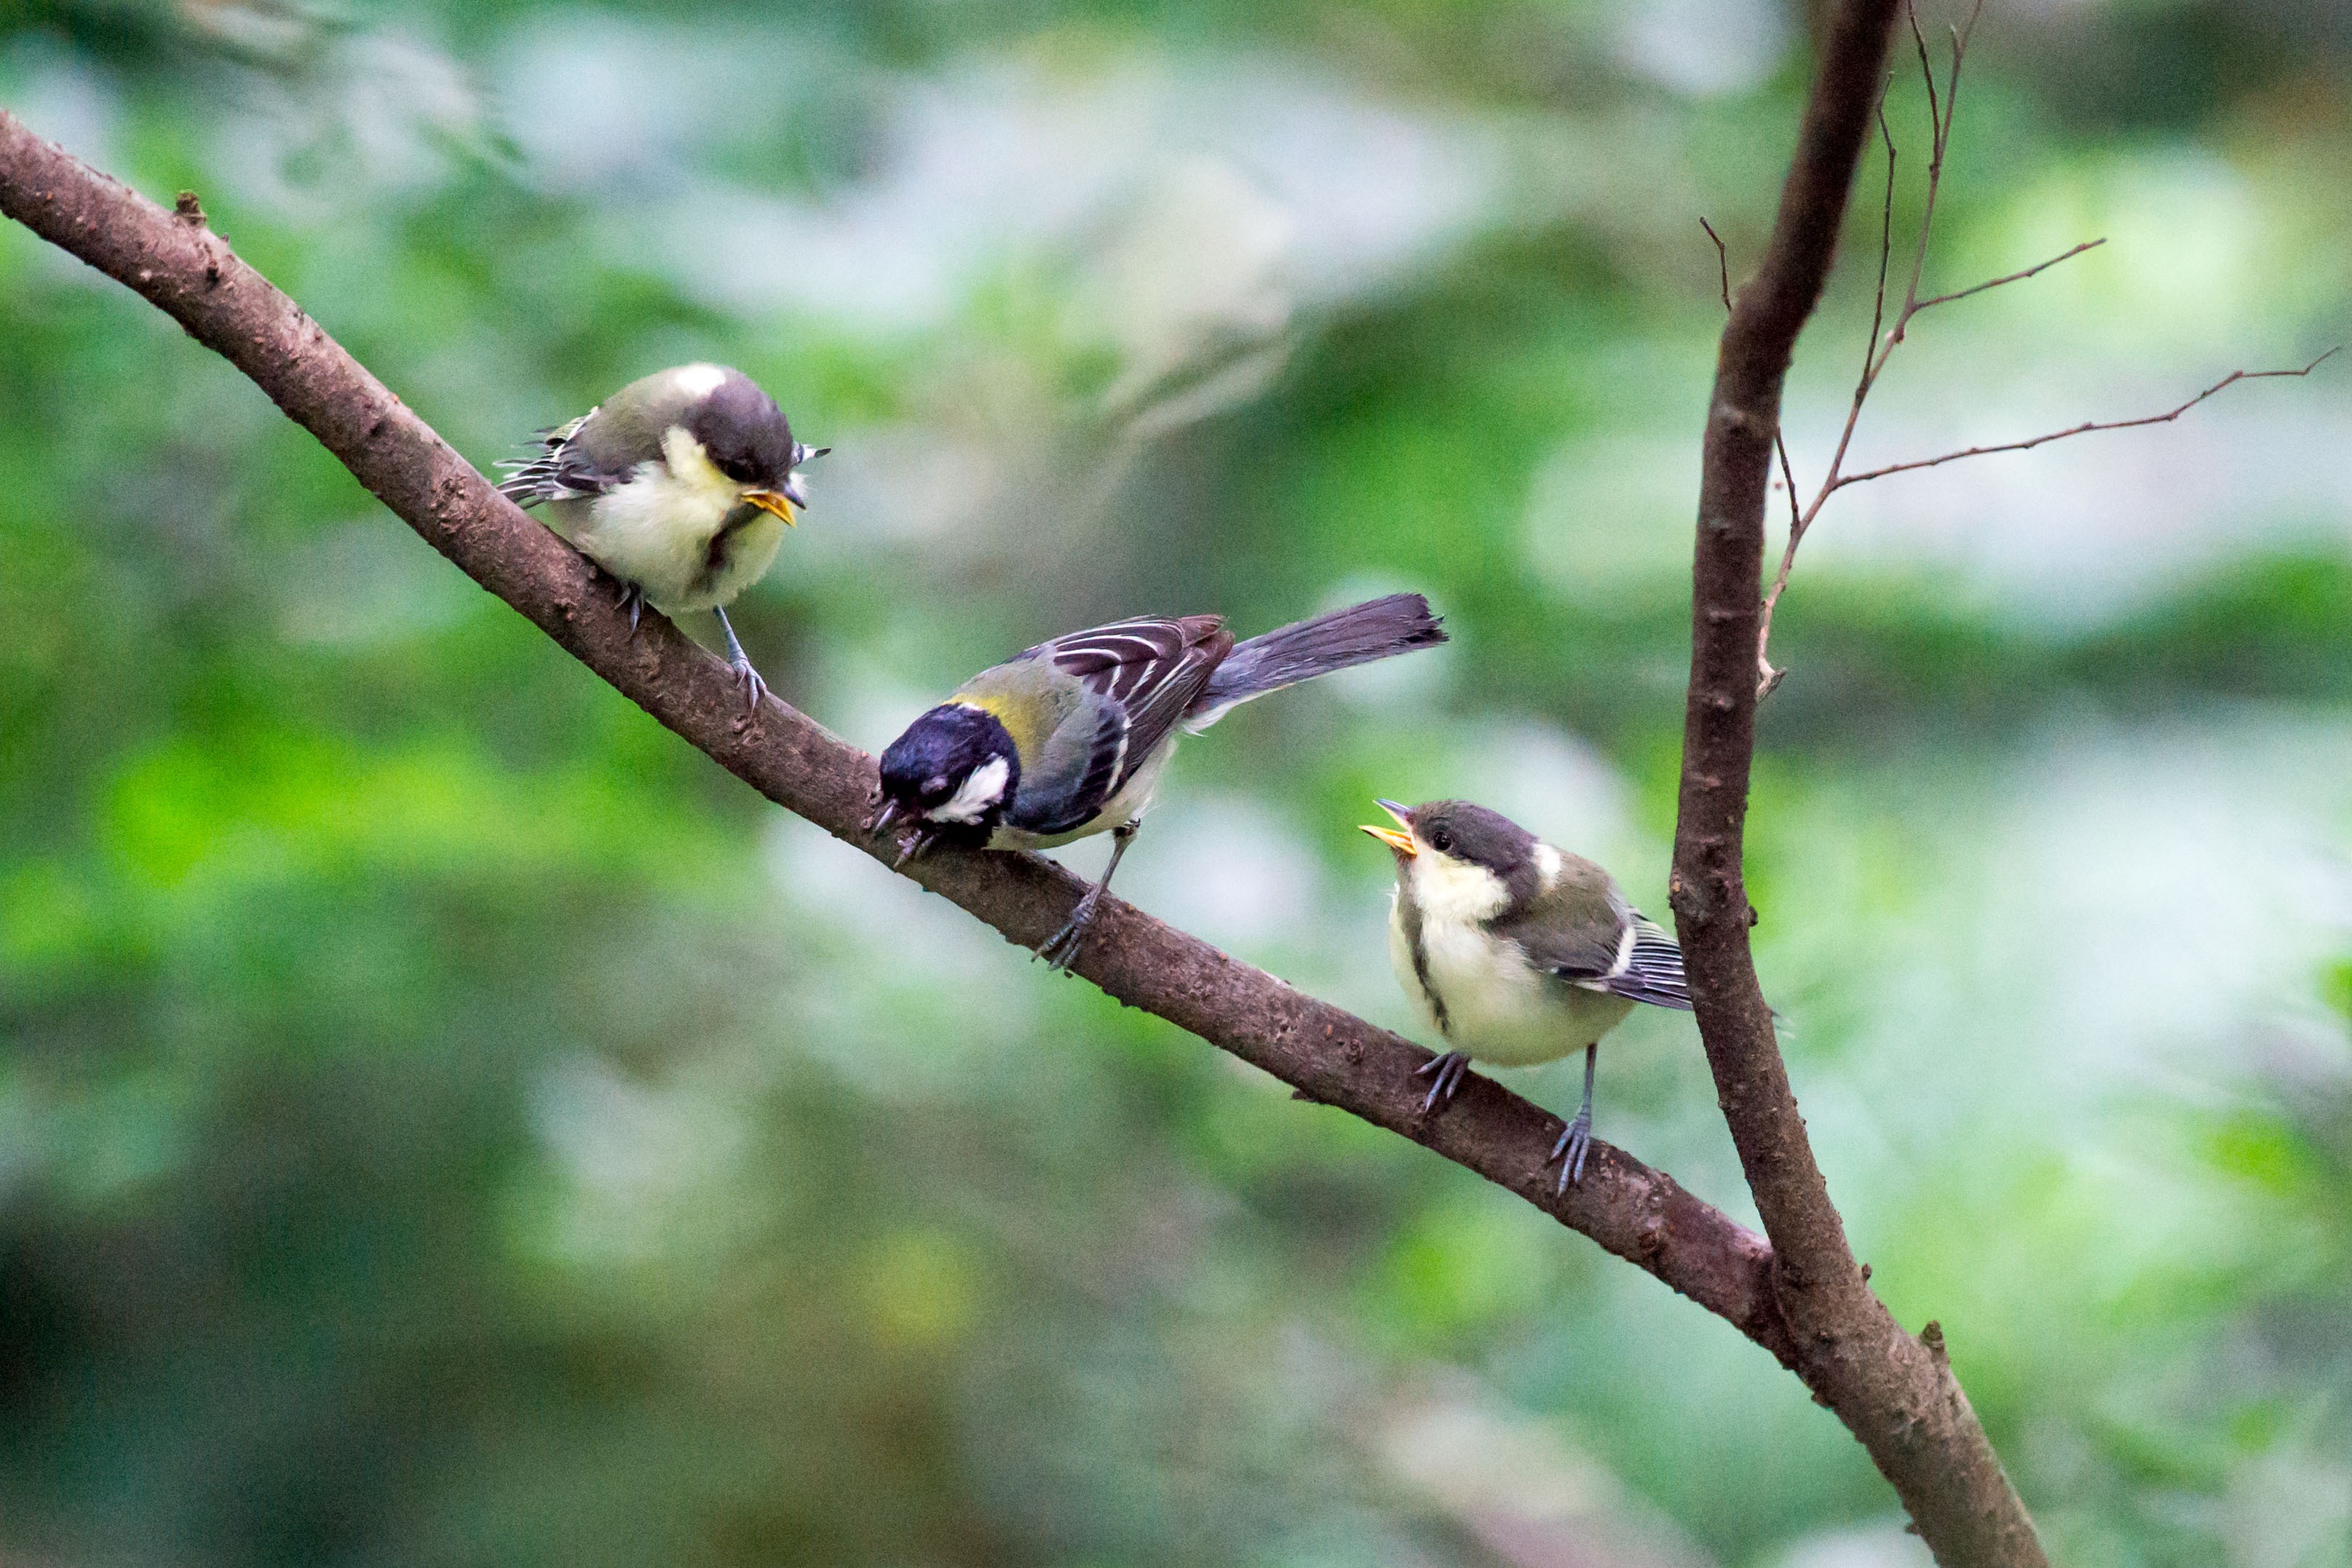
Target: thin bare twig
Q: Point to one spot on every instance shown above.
(1885, 253)
(2089, 425)
(1722, 260)
(1942, 109)
(2068, 255)
(1926, 70)
(1788, 480)
(1940, 124)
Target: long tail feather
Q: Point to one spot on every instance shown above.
(1376, 629)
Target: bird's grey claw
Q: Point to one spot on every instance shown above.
(910, 846)
(755, 690)
(1575, 1143)
(633, 599)
(1449, 1070)
(1061, 950)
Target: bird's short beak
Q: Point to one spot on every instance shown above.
(796, 491)
(777, 504)
(1399, 838)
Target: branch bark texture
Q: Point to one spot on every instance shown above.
(1895, 1392)
(177, 263)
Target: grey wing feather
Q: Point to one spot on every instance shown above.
(1615, 950)
(1652, 970)
(1581, 951)
(558, 471)
(1150, 669)
(1049, 815)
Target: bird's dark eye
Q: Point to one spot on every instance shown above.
(737, 468)
(1440, 840)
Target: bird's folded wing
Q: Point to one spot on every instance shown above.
(1149, 669)
(1584, 947)
(1652, 971)
(1073, 773)
(1620, 954)
(560, 469)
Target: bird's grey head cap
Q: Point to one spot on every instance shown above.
(1463, 831)
(744, 433)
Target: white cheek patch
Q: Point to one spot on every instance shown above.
(983, 788)
(691, 467)
(1455, 890)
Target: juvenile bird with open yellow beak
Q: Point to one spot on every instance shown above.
(1517, 953)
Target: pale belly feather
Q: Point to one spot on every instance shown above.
(655, 531)
(1497, 1008)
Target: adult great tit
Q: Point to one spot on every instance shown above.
(1517, 953)
(1070, 738)
(680, 485)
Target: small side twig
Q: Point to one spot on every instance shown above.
(1942, 107)
(1881, 345)
(1722, 260)
(2066, 254)
(2088, 425)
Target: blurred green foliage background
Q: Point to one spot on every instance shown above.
(444, 1120)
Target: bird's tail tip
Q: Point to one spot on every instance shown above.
(1339, 639)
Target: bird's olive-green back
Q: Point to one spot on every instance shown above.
(1036, 703)
(627, 427)
(1576, 927)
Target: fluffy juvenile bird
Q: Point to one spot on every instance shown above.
(1070, 738)
(680, 485)
(1516, 952)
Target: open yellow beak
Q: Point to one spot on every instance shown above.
(775, 504)
(1400, 838)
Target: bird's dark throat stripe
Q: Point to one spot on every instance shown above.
(1408, 912)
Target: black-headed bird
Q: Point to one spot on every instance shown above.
(1071, 737)
(680, 485)
(1517, 953)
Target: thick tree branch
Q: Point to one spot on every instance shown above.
(174, 261)
(1895, 1392)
